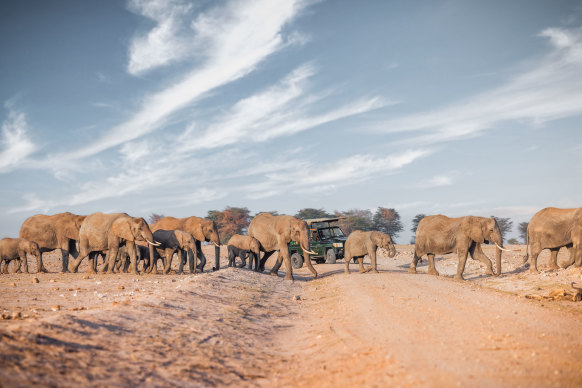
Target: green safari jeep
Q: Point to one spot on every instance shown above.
(325, 238)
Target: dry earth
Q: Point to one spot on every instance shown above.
(240, 328)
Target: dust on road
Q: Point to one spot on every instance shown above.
(239, 328)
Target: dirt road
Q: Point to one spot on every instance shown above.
(238, 328)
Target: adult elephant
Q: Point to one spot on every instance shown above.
(553, 228)
(464, 235)
(106, 232)
(274, 233)
(200, 228)
(360, 244)
(59, 231)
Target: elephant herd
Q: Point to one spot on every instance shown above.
(125, 241)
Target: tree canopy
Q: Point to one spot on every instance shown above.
(309, 213)
(230, 221)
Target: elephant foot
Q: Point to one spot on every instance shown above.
(275, 274)
(554, 268)
(490, 272)
(459, 278)
(43, 270)
(433, 272)
(534, 271)
(373, 271)
(411, 270)
(289, 277)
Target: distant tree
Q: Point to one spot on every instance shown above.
(355, 219)
(512, 241)
(308, 213)
(154, 217)
(505, 225)
(387, 221)
(522, 229)
(415, 222)
(230, 221)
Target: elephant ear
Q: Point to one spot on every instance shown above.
(122, 229)
(471, 227)
(376, 238)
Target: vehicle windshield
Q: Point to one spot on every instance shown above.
(334, 231)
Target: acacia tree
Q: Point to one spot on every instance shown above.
(387, 221)
(355, 219)
(505, 225)
(154, 217)
(309, 213)
(415, 222)
(230, 221)
(522, 229)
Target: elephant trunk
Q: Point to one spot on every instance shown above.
(216, 258)
(392, 251)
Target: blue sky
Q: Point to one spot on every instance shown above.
(180, 107)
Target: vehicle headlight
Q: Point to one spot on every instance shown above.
(338, 245)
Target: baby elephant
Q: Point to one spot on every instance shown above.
(174, 241)
(360, 244)
(243, 246)
(17, 249)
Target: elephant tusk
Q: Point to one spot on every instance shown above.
(506, 250)
(308, 251)
(156, 244)
(216, 244)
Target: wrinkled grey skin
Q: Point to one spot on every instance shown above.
(439, 235)
(17, 249)
(553, 228)
(174, 241)
(360, 244)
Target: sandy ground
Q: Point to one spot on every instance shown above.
(235, 327)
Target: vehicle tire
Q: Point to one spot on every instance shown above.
(296, 260)
(330, 256)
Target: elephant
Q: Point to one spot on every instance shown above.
(106, 232)
(17, 249)
(200, 228)
(440, 234)
(123, 259)
(274, 234)
(360, 244)
(59, 231)
(174, 241)
(243, 247)
(553, 228)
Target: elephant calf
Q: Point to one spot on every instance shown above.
(360, 244)
(17, 249)
(174, 241)
(243, 247)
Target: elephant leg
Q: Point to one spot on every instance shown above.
(200, 254)
(361, 264)
(477, 254)
(373, 266)
(65, 255)
(431, 267)
(414, 262)
(554, 258)
(462, 253)
(347, 258)
(110, 259)
(92, 267)
(571, 257)
(22, 260)
(39, 264)
(182, 261)
(284, 254)
(275, 269)
(168, 263)
(535, 251)
(264, 260)
(243, 260)
(231, 257)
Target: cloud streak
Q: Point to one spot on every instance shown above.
(234, 39)
(551, 89)
(15, 145)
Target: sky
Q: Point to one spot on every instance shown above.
(179, 107)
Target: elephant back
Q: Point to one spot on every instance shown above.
(41, 229)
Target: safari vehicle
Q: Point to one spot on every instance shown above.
(325, 238)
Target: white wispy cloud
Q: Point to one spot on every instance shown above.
(166, 42)
(234, 39)
(15, 144)
(280, 110)
(550, 89)
(438, 181)
(325, 177)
